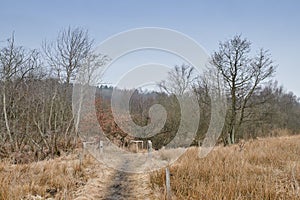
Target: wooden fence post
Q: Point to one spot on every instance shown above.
(168, 184)
(101, 146)
(81, 156)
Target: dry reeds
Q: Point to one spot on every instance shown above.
(56, 178)
(262, 169)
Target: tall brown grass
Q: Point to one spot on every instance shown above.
(57, 178)
(259, 169)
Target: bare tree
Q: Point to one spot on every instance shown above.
(89, 74)
(15, 65)
(242, 74)
(179, 81)
(65, 55)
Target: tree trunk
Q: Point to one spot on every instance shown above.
(233, 115)
(231, 136)
(6, 118)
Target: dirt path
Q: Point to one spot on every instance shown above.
(110, 184)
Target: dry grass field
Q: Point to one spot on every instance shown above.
(45, 179)
(70, 178)
(259, 169)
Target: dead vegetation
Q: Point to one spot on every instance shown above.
(70, 177)
(56, 179)
(257, 169)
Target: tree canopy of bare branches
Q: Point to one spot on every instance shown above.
(65, 55)
(180, 80)
(242, 74)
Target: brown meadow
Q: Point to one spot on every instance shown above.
(266, 168)
(259, 169)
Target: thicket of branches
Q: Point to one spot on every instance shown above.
(36, 120)
(273, 112)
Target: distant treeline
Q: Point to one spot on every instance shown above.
(37, 122)
(276, 114)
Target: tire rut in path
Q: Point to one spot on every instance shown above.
(110, 184)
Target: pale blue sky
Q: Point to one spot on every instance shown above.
(274, 25)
